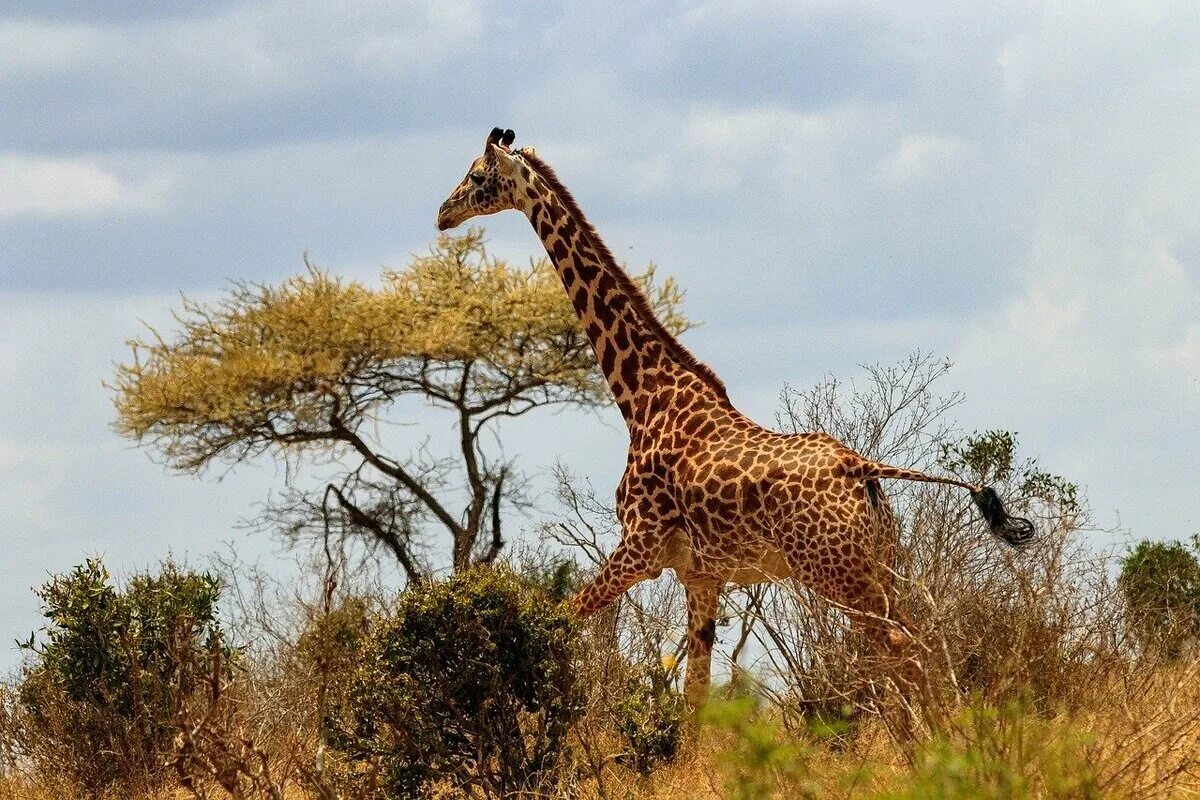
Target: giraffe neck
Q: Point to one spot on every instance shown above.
(633, 350)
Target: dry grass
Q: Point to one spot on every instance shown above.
(1140, 736)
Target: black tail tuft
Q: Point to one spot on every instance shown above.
(1017, 531)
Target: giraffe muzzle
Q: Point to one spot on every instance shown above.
(445, 217)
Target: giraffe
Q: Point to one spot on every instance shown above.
(706, 492)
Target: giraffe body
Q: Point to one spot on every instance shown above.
(706, 491)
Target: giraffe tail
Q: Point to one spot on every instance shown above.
(1015, 531)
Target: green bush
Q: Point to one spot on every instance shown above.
(329, 649)
(992, 456)
(986, 753)
(96, 701)
(558, 577)
(649, 716)
(469, 685)
(1160, 582)
(761, 762)
(1002, 754)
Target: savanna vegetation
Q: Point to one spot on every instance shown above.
(424, 650)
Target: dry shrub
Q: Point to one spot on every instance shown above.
(1035, 624)
(1144, 725)
(260, 731)
(216, 753)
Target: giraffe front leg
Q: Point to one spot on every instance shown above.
(627, 565)
(702, 633)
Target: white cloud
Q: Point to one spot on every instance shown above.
(1043, 321)
(795, 155)
(920, 158)
(712, 12)
(73, 186)
(1182, 355)
(395, 41)
(755, 132)
(29, 47)
(264, 49)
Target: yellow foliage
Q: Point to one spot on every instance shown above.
(295, 363)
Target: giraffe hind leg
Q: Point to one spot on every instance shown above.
(892, 637)
(864, 591)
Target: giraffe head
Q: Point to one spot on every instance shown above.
(493, 183)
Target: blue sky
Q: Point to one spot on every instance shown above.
(1011, 185)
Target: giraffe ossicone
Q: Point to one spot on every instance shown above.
(706, 491)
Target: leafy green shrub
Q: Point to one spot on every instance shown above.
(762, 762)
(986, 753)
(1002, 754)
(469, 685)
(992, 456)
(558, 577)
(649, 716)
(1160, 582)
(96, 702)
(329, 649)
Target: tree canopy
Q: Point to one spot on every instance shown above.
(1160, 582)
(300, 367)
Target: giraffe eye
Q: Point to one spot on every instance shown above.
(477, 178)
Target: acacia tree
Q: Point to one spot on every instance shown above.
(303, 369)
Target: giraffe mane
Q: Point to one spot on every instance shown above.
(637, 298)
